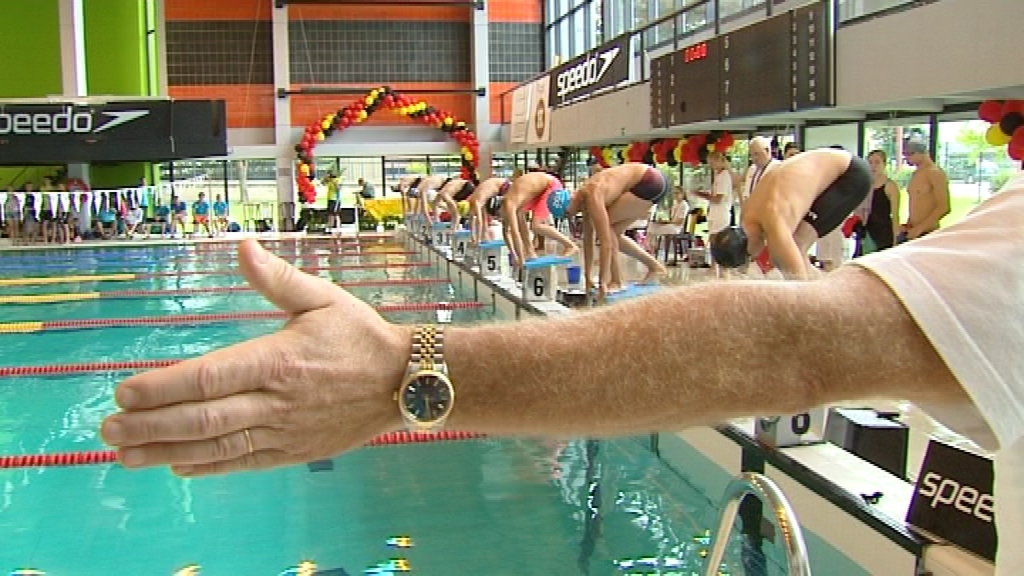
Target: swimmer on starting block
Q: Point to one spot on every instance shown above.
(455, 191)
(487, 196)
(530, 193)
(426, 193)
(610, 201)
(805, 198)
(406, 189)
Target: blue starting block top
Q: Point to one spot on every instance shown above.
(545, 261)
(634, 291)
(492, 244)
(440, 225)
(462, 233)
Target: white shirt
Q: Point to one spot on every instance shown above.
(754, 175)
(964, 286)
(719, 212)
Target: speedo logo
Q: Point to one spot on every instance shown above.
(948, 492)
(586, 73)
(69, 121)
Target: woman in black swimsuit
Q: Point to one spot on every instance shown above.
(883, 219)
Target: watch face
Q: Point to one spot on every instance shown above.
(427, 398)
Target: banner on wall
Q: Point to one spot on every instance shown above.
(115, 131)
(539, 131)
(521, 113)
(603, 67)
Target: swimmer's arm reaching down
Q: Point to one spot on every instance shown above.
(600, 372)
(606, 236)
(783, 249)
(588, 254)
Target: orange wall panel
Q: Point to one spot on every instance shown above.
(531, 11)
(309, 109)
(495, 90)
(218, 9)
(383, 13)
(248, 105)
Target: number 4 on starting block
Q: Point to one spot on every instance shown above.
(792, 430)
(540, 282)
(461, 241)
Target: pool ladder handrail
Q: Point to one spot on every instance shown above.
(751, 484)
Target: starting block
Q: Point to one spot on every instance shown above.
(493, 262)
(540, 284)
(441, 234)
(460, 241)
(793, 429)
(633, 291)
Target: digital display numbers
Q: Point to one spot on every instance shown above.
(695, 52)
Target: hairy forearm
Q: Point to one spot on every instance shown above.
(776, 348)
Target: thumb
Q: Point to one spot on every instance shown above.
(281, 283)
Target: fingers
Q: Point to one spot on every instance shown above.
(281, 283)
(240, 368)
(186, 422)
(231, 446)
(260, 460)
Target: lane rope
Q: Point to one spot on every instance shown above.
(128, 294)
(28, 327)
(95, 457)
(128, 277)
(16, 263)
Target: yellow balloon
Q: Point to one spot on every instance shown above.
(363, 114)
(710, 147)
(368, 100)
(325, 124)
(469, 156)
(319, 136)
(448, 121)
(421, 106)
(404, 111)
(374, 93)
(460, 124)
(304, 169)
(994, 136)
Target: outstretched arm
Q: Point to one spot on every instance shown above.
(606, 236)
(588, 253)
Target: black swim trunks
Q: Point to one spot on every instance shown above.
(464, 193)
(652, 186)
(841, 198)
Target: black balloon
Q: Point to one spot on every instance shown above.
(1010, 122)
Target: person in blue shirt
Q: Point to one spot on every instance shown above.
(179, 210)
(220, 215)
(161, 216)
(201, 215)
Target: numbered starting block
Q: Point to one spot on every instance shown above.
(461, 244)
(540, 283)
(792, 430)
(633, 291)
(441, 234)
(493, 261)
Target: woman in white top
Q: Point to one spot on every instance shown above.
(663, 230)
(720, 196)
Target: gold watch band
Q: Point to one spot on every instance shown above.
(427, 347)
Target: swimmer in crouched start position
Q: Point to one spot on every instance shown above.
(530, 193)
(455, 191)
(426, 195)
(485, 198)
(406, 189)
(805, 198)
(610, 201)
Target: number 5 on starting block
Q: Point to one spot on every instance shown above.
(493, 263)
(792, 430)
(539, 283)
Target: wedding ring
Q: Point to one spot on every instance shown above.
(248, 440)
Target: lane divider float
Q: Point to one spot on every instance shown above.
(196, 319)
(128, 277)
(88, 458)
(128, 294)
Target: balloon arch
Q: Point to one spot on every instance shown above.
(360, 111)
(1006, 119)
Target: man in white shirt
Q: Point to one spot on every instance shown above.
(761, 162)
(937, 323)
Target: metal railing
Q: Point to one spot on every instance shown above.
(750, 484)
(706, 15)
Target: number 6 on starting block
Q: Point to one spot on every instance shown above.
(461, 241)
(792, 430)
(492, 262)
(539, 282)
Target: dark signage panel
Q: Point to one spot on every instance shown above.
(684, 85)
(126, 131)
(953, 499)
(813, 54)
(756, 69)
(602, 67)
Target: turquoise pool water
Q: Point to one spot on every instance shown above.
(495, 507)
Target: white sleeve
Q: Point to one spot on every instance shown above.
(964, 286)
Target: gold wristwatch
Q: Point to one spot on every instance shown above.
(426, 395)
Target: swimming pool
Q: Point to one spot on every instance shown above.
(469, 507)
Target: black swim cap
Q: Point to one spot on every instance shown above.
(493, 206)
(729, 247)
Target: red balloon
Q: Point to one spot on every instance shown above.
(990, 111)
(346, 122)
(389, 101)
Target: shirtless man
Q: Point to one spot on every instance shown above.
(529, 193)
(454, 191)
(406, 189)
(426, 194)
(610, 201)
(928, 191)
(479, 200)
(794, 205)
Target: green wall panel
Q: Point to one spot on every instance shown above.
(116, 59)
(29, 48)
(111, 176)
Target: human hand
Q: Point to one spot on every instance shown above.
(321, 385)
